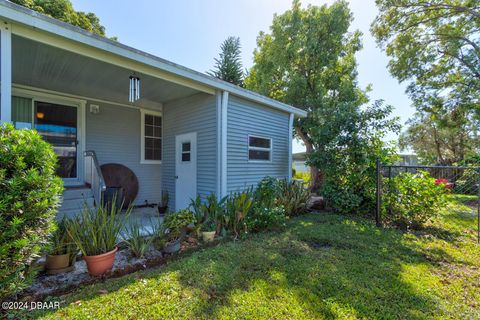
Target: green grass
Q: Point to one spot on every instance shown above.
(322, 266)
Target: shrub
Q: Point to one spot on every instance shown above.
(413, 199)
(267, 192)
(468, 182)
(238, 206)
(176, 222)
(29, 197)
(265, 218)
(293, 196)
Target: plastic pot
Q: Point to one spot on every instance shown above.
(208, 236)
(57, 263)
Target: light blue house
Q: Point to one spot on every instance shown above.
(174, 129)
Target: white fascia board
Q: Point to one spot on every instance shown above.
(200, 81)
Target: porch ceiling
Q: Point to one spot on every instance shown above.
(47, 67)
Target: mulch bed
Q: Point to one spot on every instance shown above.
(59, 284)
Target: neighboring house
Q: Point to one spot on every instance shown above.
(299, 162)
(188, 133)
(407, 159)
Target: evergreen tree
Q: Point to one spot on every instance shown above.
(228, 66)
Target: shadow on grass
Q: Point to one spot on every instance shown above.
(322, 266)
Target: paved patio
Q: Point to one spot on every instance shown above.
(146, 217)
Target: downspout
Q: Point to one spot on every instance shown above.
(290, 138)
(222, 159)
(5, 72)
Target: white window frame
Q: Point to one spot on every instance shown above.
(270, 150)
(144, 112)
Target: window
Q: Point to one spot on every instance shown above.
(151, 137)
(186, 152)
(259, 149)
(22, 112)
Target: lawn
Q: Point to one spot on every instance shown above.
(322, 266)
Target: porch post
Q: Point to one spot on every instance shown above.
(290, 137)
(5, 72)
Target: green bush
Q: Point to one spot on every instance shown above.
(29, 197)
(238, 206)
(413, 199)
(265, 218)
(177, 221)
(293, 197)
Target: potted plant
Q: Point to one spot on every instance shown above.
(175, 225)
(163, 205)
(208, 229)
(62, 251)
(96, 233)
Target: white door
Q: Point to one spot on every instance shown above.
(185, 169)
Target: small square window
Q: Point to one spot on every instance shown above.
(185, 146)
(186, 157)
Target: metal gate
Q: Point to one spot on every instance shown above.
(460, 180)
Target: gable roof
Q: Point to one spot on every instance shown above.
(18, 14)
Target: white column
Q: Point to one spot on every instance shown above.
(5, 72)
(290, 138)
(223, 145)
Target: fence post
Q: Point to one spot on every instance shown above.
(478, 205)
(378, 209)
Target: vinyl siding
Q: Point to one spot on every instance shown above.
(247, 118)
(196, 113)
(114, 135)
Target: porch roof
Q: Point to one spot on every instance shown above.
(32, 25)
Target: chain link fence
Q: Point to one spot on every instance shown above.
(462, 184)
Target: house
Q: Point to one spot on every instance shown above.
(152, 124)
(299, 164)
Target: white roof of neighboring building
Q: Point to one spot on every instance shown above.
(19, 14)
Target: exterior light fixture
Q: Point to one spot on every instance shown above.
(40, 115)
(134, 92)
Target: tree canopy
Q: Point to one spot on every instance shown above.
(308, 60)
(63, 10)
(442, 137)
(435, 45)
(228, 66)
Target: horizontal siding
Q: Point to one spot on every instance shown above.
(114, 135)
(196, 113)
(247, 118)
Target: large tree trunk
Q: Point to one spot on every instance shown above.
(315, 174)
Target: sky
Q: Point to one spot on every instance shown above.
(189, 32)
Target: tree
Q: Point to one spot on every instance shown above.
(347, 143)
(228, 66)
(435, 44)
(442, 137)
(308, 60)
(63, 10)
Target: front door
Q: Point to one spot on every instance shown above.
(185, 169)
(58, 125)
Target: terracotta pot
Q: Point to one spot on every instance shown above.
(100, 264)
(57, 262)
(208, 236)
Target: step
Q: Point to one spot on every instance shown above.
(77, 193)
(76, 204)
